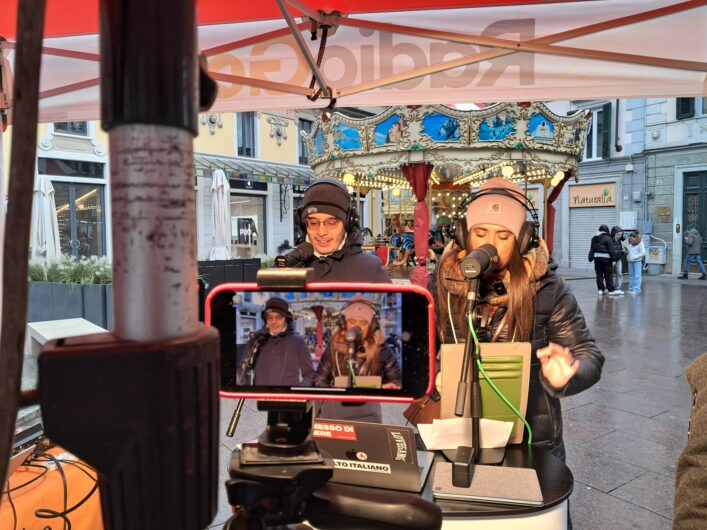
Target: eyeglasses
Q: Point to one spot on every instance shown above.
(330, 223)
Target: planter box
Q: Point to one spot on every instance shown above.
(57, 301)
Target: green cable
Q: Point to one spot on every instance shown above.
(493, 386)
(352, 372)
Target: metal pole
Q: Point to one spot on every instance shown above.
(149, 108)
(28, 58)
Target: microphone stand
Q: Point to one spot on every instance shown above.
(352, 354)
(470, 356)
(248, 366)
(476, 265)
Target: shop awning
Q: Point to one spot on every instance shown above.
(254, 170)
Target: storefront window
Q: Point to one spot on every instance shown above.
(70, 168)
(79, 209)
(247, 226)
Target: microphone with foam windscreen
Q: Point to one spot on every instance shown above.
(479, 262)
(352, 337)
(297, 257)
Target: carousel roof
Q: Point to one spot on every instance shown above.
(520, 141)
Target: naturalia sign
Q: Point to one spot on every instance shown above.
(589, 195)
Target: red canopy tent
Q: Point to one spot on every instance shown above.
(377, 52)
(401, 52)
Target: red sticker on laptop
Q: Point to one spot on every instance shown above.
(334, 431)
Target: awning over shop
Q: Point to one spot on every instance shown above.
(254, 170)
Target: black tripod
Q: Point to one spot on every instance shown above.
(282, 479)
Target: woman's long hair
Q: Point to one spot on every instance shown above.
(520, 307)
(371, 343)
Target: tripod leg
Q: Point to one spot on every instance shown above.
(234, 419)
(242, 520)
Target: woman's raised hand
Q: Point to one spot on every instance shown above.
(557, 364)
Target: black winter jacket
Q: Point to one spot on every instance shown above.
(618, 247)
(283, 360)
(370, 412)
(389, 370)
(602, 247)
(557, 319)
(350, 264)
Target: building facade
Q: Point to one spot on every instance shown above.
(263, 157)
(644, 169)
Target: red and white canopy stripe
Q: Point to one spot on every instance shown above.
(384, 52)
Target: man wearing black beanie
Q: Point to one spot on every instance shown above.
(332, 228)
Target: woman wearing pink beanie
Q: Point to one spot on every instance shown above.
(525, 302)
(373, 357)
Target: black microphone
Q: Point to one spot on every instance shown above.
(353, 336)
(257, 339)
(297, 257)
(480, 262)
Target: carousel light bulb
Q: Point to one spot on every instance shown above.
(348, 179)
(507, 171)
(557, 178)
(396, 192)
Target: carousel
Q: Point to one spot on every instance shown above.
(425, 159)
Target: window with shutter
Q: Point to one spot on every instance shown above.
(304, 126)
(598, 144)
(605, 131)
(246, 134)
(685, 108)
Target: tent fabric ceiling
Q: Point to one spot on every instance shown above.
(410, 52)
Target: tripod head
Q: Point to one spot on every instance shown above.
(271, 479)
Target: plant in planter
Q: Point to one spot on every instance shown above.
(71, 288)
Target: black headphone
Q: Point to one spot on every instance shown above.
(528, 237)
(351, 223)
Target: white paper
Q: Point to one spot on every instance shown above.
(451, 433)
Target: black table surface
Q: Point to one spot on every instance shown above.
(555, 478)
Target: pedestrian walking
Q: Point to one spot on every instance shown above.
(636, 253)
(693, 240)
(602, 252)
(620, 250)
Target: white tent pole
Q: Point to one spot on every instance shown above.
(154, 240)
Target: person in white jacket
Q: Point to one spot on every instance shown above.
(636, 253)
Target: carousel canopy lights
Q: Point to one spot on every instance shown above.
(464, 146)
(557, 178)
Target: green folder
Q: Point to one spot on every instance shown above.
(507, 365)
